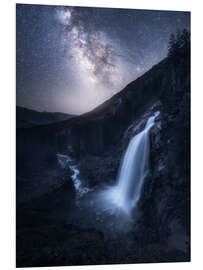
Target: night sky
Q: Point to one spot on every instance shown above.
(71, 59)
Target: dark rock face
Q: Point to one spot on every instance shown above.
(167, 190)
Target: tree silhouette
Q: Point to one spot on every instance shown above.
(179, 44)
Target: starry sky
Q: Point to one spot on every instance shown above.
(71, 59)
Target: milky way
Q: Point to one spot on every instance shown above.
(71, 59)
(92, 52)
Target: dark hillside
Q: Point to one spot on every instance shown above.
(26, 118)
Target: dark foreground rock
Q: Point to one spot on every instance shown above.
(65, 244)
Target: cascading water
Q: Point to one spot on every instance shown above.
(64, 161)
(134, 168)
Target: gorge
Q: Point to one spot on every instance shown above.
(145, 131)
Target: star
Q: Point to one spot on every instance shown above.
(78, 57)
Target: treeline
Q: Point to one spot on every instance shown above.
(179, 43)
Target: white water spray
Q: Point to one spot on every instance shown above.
(134, 168)
(64, 161)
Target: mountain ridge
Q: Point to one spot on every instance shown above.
(26, 118)
(99, 109)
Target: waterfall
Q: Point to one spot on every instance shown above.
(133, 170)
(124, 195)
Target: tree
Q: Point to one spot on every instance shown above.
(179, 44)
(172, 44)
